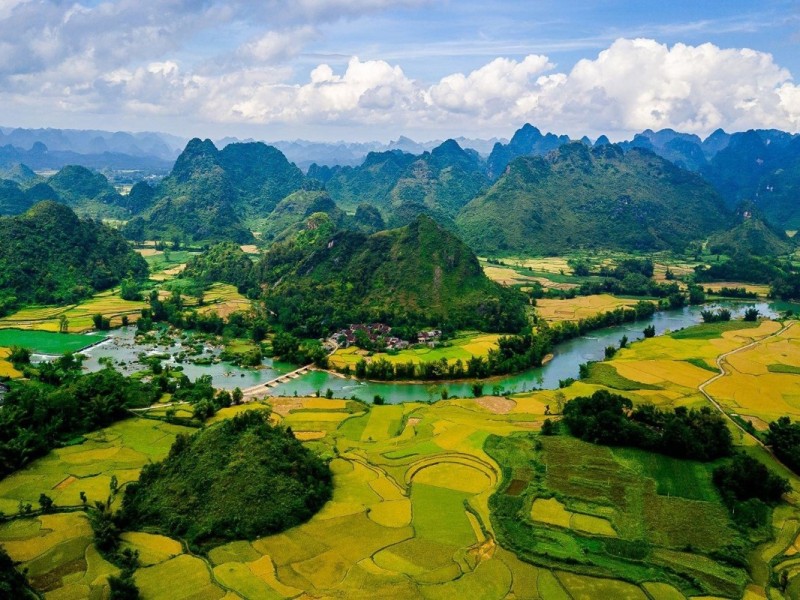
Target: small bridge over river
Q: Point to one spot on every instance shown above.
(262, 388)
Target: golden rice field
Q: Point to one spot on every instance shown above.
(462, 347)
(761, 290)
(555, 310)
(224, 299)
(410, 516)
(79, 316)
(6, 368)
(755, 385)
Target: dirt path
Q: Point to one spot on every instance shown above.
(722, 373)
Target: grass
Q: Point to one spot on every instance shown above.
(707, 331)
(44, 342)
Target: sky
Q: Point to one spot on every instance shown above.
(359, 70)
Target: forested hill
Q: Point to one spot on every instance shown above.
(212, 194)
(49, 255)
(417, 275)
(578, 197)
(402, 186)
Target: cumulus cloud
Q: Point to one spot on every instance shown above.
(129, 58)
(632, 85)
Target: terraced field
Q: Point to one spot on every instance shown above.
(79, 316)
(419, 499)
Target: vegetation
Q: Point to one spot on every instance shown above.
(239, 479)
(418, 275)
(610, 419)
(748, 487)
(49, 256)
(784, 438)
(222, 263)
(60, 406)
(636, 201)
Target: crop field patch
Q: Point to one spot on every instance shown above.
(153, 549)
(188, 577)
(44, 342)
(573, 309)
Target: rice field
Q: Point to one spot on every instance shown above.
(415, 501)
(79, 316)
(555, 310)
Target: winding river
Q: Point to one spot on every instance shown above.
(121, 348)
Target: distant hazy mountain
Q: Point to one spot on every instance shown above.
(89, 141)
(527, 141)
(577, 197)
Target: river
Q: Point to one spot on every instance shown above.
(568, 356)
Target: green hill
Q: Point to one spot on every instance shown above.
(13, 200)
(417, 275)
(214, 195)
(290, 214)
(197, 200)
(752, 236)
(48, 255)
(237, 480)
(578, 197)
(224, 262)
(402, 186)
(261, 177)
(87, 192)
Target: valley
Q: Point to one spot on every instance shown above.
(408, 351)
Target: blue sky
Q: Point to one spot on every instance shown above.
(376, 69)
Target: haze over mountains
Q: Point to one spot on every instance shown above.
(539, 192)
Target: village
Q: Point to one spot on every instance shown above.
(378, 336)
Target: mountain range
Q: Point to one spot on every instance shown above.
(539, 193)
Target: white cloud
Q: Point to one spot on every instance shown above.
(129, 58)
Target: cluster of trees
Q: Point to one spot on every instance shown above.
(203, 495)
(733, 292)
(748, 489)
(710, 316)
(610, 419)
(784, 438)
(293, 350)
(513, 354)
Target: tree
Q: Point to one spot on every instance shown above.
(378, 400)
(123, 588)
(751, 314)
(237, 396)
(623, 342)
(63, 324)
(477, 389)
(84, 499)
(45, 503)
(329, 393)
(19, 355)
(548, 427)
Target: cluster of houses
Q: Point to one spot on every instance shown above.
(376, 332)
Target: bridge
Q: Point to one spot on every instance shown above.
(262, 388)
